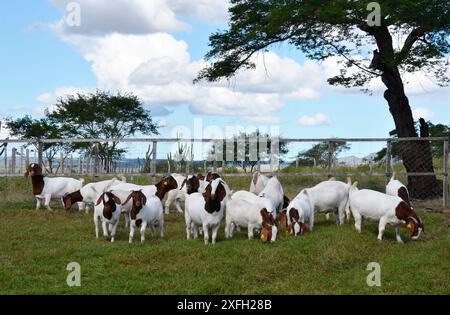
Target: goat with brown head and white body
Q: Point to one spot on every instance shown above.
(107, 208)
(251, 215)
(145, 212)
(386, 209)
(89, 193)
(206, 209)
(298, 217)
(47, 188)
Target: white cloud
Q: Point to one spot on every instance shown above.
(317, 120)
(211, 11)
(424, 113)
(102, 17)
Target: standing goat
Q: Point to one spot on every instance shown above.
(107, 208)
(47, 188)
(89, 193)
(373, 205)
(145, 212)
(206, 210)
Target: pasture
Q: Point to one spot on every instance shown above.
(36, 246)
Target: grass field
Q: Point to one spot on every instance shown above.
(36, 246)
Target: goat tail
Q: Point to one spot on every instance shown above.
(353, 188)
(123, 178)
(393, 176)
(349, 181)
(82, 180)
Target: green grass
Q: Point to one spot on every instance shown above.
(36, 246)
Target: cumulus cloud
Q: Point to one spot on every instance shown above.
(317, 120)
(102, 17)
(424, 113)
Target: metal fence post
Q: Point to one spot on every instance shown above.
(40, 147)
(61, 158)
(330, 159)
(445, 192)
(97, 161)
(13, 160)
(154, 156)
(388, 161)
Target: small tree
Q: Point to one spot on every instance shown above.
(249, 160)
(103, 115)
(40, 129)
(318, 154)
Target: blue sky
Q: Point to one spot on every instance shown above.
(117, 48)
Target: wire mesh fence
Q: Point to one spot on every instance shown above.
(420, 162)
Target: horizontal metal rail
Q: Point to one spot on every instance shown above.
(77, 140)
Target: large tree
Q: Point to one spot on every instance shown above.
(344, 29)
(103, 115)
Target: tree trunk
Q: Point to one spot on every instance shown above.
(416, 155)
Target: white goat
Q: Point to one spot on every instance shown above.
(259, 181)
(47, 188)
(206, 210)
(373, 205)
(107, 208)
(274, 192)
(89, 193)
(299, 212)
(396, 188)
(331, 196)
(246, 214)
(145, 212)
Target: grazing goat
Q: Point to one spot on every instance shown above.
(331, 196)
(246, 214)
(145, 212)
(396, 188)
(206, 210)
(259, 181)
(89, 193)
(107, 208)
(46, 188)
(299, 212)
(373, 205)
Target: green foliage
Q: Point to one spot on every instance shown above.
(36, 129)
(437, 147)
(318, 154)
(324, 29)
(240, 148)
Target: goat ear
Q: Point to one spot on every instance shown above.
(207, 192)
(115, 199)
(100, 199)
(128, 199)
(265, 217)
(184, 182)
(221, 192)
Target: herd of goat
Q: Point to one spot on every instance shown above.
(208, 198)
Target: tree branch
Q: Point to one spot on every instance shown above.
(412, 38)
